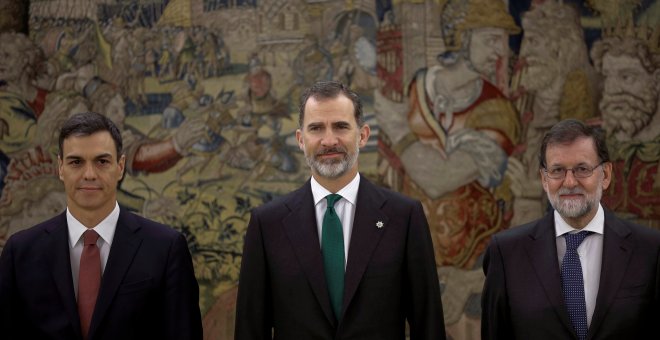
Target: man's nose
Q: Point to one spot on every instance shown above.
(89, 172)
(611, 85)
(500, 50)
(329, 138)
(570, 181)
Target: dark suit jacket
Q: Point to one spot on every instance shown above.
(390, 273)
(522, 296)
(148, 289)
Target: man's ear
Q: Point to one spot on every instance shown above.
(607, 175)
(59, 167)
(122, 166)
(544, 180)
(365, 131)
(299, 138)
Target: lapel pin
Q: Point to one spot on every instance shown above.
(379, 224)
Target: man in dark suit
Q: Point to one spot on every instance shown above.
(97, 271)
(339, 258)
(579, 272)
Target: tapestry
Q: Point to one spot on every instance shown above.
(458, 95)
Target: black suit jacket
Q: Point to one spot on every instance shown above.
(148, 289)
(522, 296)
(390, 274)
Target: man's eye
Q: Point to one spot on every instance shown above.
(581, 170)
(556, 171)
(75, 162)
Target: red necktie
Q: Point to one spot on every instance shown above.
(89, 279)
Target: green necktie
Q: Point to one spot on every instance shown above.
(332, 246)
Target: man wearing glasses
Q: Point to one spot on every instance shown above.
(579, 272)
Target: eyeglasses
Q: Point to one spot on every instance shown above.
(581, 171)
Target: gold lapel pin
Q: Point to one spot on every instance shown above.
(379, 224)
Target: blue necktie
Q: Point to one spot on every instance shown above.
(572, 284)
(332, 247)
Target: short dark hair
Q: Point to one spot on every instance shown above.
(567, 131)
(87, 123)
(330, 90)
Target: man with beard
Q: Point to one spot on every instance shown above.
(339, 258)
(632, 82)
(554, 81)
(631, 119)
(462, 132)
(579, 272)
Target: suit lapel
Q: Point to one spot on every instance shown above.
(60, 264)
(300, 228)
(364, 237)
(542, 251)
(617, 252)
(124, 246)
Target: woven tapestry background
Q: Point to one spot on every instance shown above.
(458, 94)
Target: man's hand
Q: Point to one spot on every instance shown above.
(191, 131)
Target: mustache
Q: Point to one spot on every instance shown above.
(337, 149)
(644, 102)
(535, 61)
(567, 191)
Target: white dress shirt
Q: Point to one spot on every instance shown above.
(345, 208)
(590, 252)
(106, 231)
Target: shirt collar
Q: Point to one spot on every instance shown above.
(105, 229)
(596, 224)
(349, 192)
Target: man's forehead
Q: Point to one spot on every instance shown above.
(582, 148)
(100, 142)
(328, 120)
(489, 31)
(329, 124)
(75, 154)
(335, 113)
(622, 61)
(319, 99)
